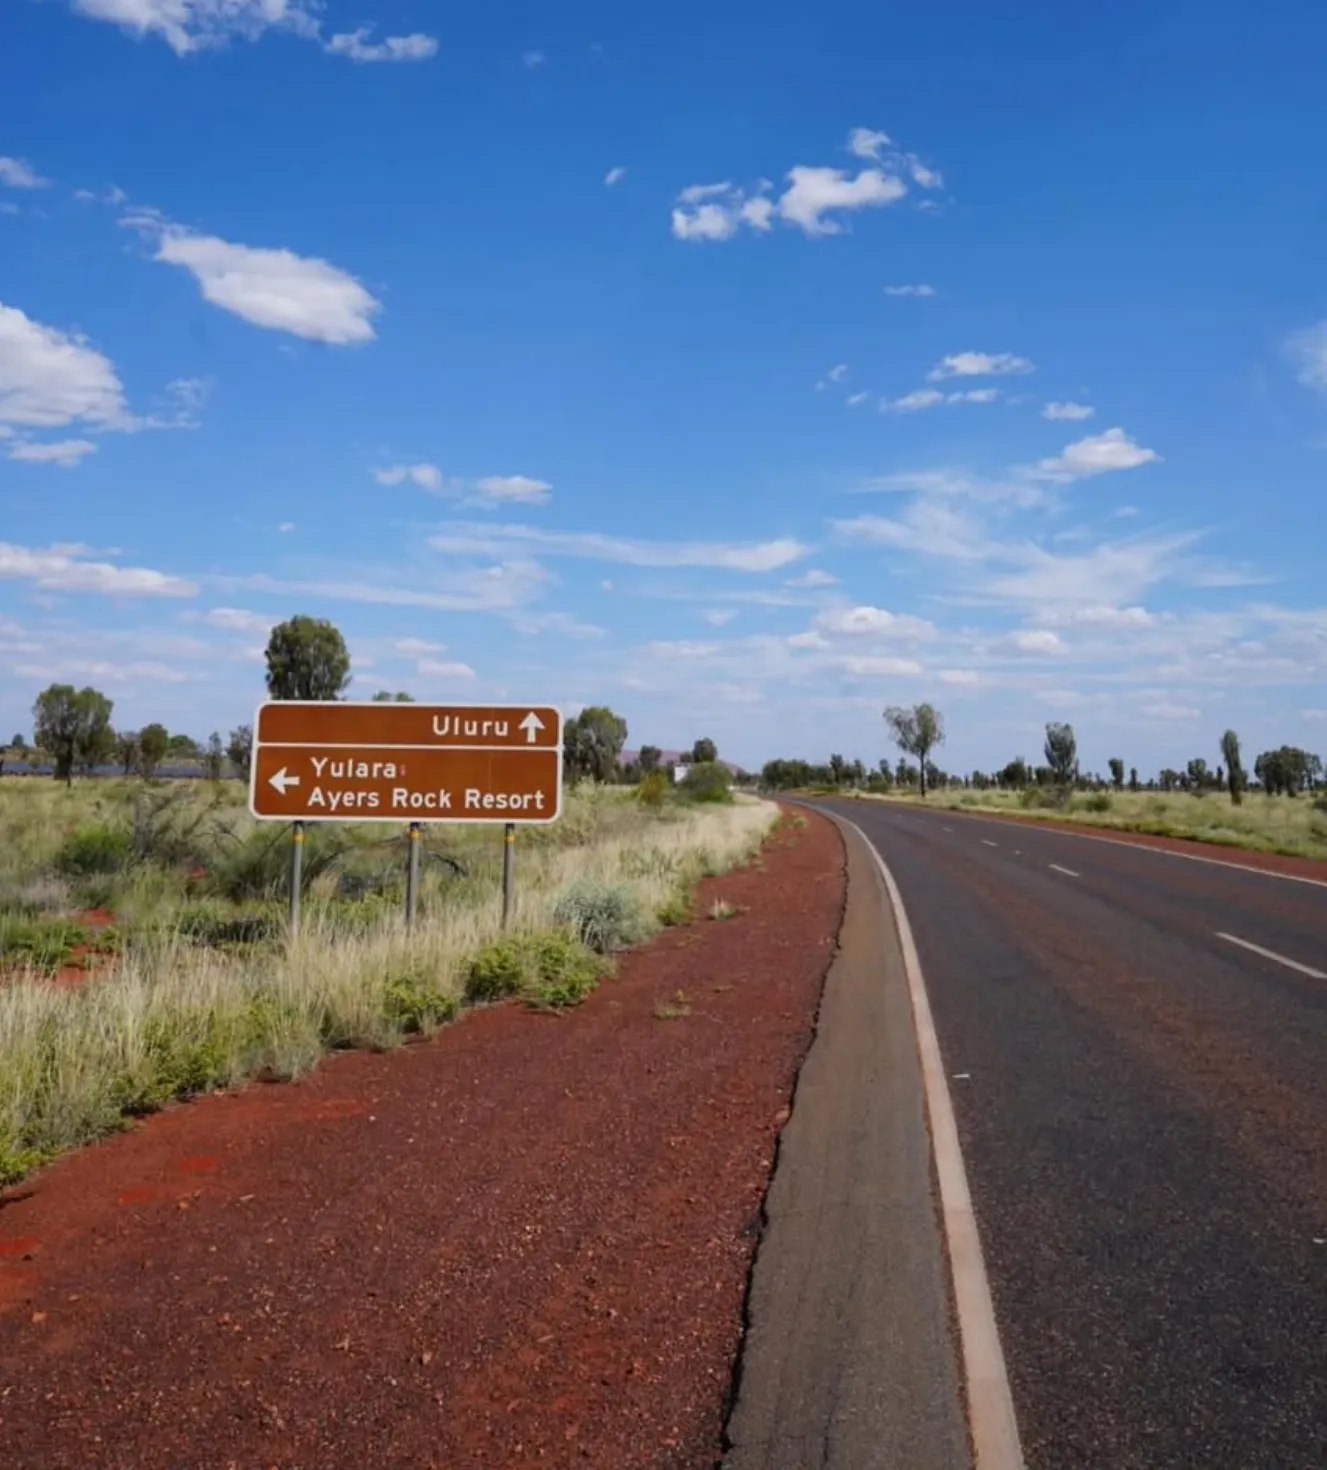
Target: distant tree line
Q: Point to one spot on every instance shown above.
(918, 730)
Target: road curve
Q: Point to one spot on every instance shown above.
(1137, 1048)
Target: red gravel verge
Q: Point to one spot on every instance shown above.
(1268, 862)
(523, 1243)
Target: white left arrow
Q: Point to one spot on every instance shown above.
(532, 725)
(281, 780)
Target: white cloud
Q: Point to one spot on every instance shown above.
(1110, 575)
(865, 666)
(1101, 615)
(513, 489)
(814, 193)
(974, 395)
(357, 46)
(237, 620)
(50, 378)
(197, 25)
(533, 59)
(1309, 348)
(815, 577)
(104, 671)
(1037, 640)
(614, 176)
(277, 289)
(67, 453)
(874, 622)
(716, 617)
(1165, 710)
(436, 670)
(415, 647)
(838, 372)
(930, 527)
(426, 476)
(913, 402)
(286, 527)
(494, 589)
(718, 211)
(867, 143)
(470, 539)
(922, 176)
(855, 400)
(59, 569)
(1067, 411)
(918, 290)
(979, 365)
(959, 676)
(1095, 455)
(18, 174)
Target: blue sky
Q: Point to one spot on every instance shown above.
(745, 372)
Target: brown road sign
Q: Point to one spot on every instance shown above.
(316, 761)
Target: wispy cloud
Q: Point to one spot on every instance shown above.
(979, 365)
(513, 490)
(1308, 348)
(188, 26)
(271, 288)
(426, 476)
(1067, 411)
(918, 290)
(1098, 454)
(815, 200)
(923, 398)
(17, 173)
(66, 453)
(357, 46)
(479, 539)
(533, 60)
(64, 569)
(614, 176)
(815, 577)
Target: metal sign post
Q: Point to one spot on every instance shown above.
(508, 855)
(412, 876)
(296, 874)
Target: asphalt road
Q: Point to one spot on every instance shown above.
(1142, 1106)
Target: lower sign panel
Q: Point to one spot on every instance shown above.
(310, 783)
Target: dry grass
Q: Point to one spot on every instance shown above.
(205, 992)
(1292, 825)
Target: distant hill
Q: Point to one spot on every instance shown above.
(672, 757)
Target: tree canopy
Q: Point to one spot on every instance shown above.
(591, 744)
(74, 726)
(307, 658)
(916, 731)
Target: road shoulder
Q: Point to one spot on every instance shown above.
(849, 1360)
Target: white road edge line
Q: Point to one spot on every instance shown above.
(986, 841)
(990, 1403)
(1068, 872)
(1271, 954)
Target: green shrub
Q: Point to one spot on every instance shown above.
(553, 968)
(603, 916)
(43, 943)
(258, 865)
(1043, 798)
(675, 909)
(415, 1003)
(1099, 801)
(98, 849)
(217, 925)
(707, 781)
(653, 791)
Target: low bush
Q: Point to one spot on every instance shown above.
(258, 864)
(44, 943)
(99, 849)
(553, 968)
(653, 791)
(603, 916)
(1099, 801)
(707, 781)
(219, 926)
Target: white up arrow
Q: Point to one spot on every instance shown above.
(281, 780)
(532, 725)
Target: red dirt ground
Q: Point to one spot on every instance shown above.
(524, 1243)
(1269, 862)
